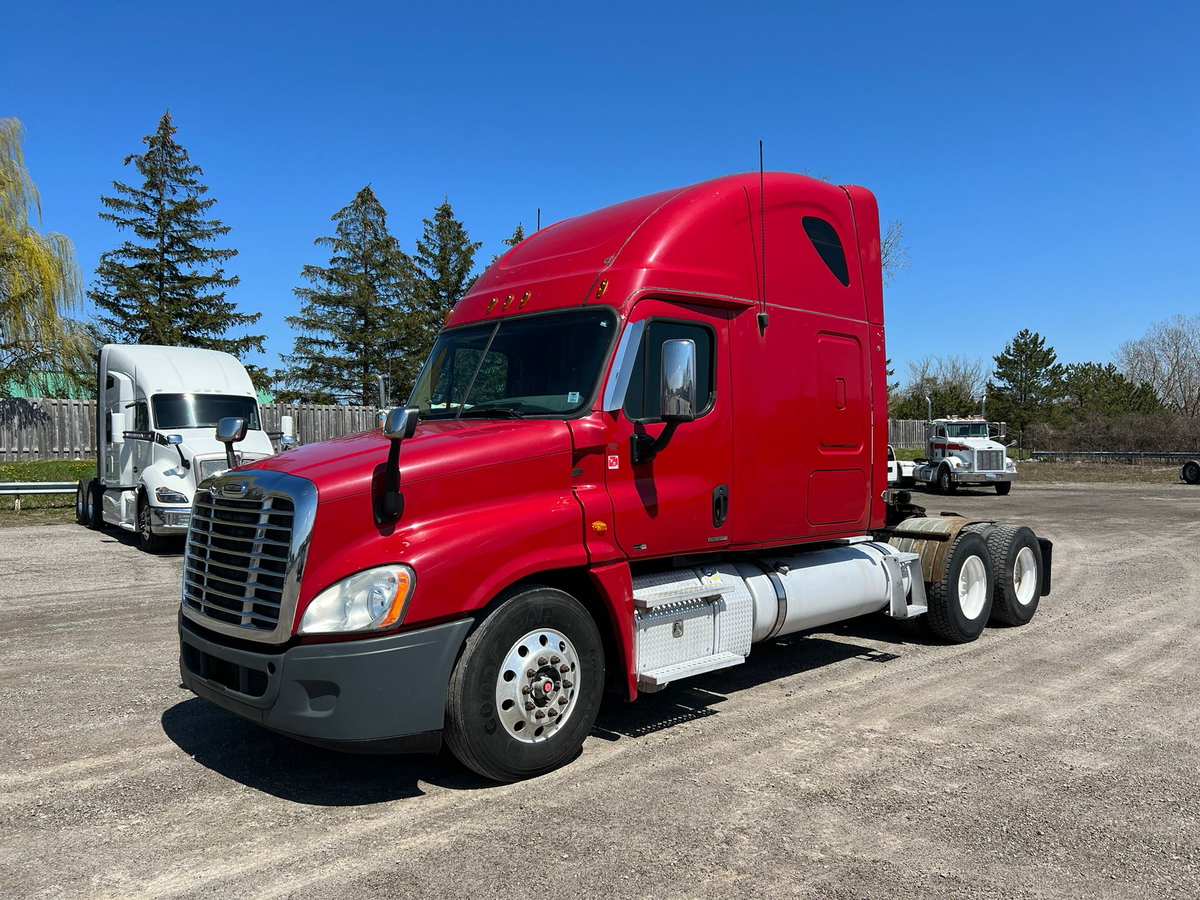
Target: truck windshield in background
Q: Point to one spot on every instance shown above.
(969, 429)
(201, 410)
(540, 365)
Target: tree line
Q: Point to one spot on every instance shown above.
(1148, 399)
(373, 309)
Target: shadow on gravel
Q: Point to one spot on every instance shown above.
(112, 535)
(269, 762)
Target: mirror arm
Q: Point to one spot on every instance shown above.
(643, 447)
(391, 502)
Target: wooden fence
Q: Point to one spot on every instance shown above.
(46, 428)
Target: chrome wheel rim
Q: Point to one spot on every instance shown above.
(972, 587)
(537, 686)
(80, 505)
(144, 521)
(1024, 576)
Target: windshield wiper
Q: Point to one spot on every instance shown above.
(497, 411)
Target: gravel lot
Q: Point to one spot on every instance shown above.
(1057, 760)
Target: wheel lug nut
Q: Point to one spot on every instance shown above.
(567, 683)
(540, 715)
(554, 660)
(529, 704)
(531, 672)
(526, 689)
(562, 701)
(542, 660)
(552, 713)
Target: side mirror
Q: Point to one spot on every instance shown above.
(401, 423)
(118, 428)
(1003, 429)
(174, 439)
(677, 393)
(231, 430)
(287, 427)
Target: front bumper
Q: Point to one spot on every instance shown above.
(170, 519)
(963, 477)
(373, 695)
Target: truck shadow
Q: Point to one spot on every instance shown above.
(251, 755)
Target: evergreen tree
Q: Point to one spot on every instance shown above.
(167, 284)
(444, 259)
(518, 235)
(1093, 389)
(1026, 382)
(354, 319)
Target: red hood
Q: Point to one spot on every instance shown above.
(343, 466)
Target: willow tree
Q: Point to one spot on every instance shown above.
(39, 279)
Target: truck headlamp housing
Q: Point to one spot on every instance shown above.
(375, 598)
(166, 495)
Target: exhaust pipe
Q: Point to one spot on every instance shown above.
(929, 407)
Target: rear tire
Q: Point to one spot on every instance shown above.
(945, 481)
(1003, 487)
(81, 503)
(95, 507)
(1016, 572)
(493, 724)
(1191, 471)
(959, 604)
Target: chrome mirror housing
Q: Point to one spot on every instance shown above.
(401, 423)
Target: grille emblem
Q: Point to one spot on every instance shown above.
(234, 489)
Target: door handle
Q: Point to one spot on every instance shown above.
(720, 505)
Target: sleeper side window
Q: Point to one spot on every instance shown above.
(641, 398)
(141, 416)
(825, 241)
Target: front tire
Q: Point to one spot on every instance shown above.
(1003, 487)
(945, 481)
(526, 689)
(961, 602)
(147, 539)
(1191, 471)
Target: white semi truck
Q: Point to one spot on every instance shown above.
(155, 416)
(960, 450)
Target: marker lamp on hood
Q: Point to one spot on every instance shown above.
(372, 599)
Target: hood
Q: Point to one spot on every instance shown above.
(343, 466)
(971, 443)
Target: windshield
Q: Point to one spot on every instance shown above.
(968, 429)
(202, 410)
(542, 365)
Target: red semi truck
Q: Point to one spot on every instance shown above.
(622, 465)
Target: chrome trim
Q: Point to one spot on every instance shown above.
(622, 367)
(261, 484)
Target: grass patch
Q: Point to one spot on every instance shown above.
(1095, 473)
(43, 509)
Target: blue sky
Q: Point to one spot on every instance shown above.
(1043, 156)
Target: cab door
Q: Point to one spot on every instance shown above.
(683, 500)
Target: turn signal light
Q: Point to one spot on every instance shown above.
(599, 527)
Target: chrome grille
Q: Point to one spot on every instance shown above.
(236, 569)
(989, 460)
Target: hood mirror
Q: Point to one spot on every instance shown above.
(399, 425)
(287, 427)
(231, 430)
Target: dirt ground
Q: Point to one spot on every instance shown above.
(1057, 760)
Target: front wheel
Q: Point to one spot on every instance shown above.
(149, 541)
(1191, 471)
(527, 688)
(1003, 487)
(945, 481)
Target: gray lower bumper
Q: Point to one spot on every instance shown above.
(983, 477)
(384, 694)
(170, 519)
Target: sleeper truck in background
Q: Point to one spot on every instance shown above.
(622, 465)
(155, 413)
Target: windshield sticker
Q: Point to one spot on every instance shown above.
(573, 397)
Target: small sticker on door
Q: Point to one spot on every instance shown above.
(614, 461)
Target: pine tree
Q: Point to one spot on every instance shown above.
(167, 285)
(1026, 382)
(444, 259)
(518, 235)
(352, 320)
(1100, 390)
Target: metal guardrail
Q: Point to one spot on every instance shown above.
(23, 488)
(1131, 456)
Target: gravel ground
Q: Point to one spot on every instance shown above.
(1056, 760)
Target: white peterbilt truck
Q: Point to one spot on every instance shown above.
(155, 414)
(960, 450)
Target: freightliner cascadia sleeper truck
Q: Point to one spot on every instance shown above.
(622, 465)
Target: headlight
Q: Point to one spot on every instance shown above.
(375, 598)
(166, 495)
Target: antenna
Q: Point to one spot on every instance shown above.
(763, 318)
(539, 228)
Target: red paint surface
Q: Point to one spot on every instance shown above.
(797, 432)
